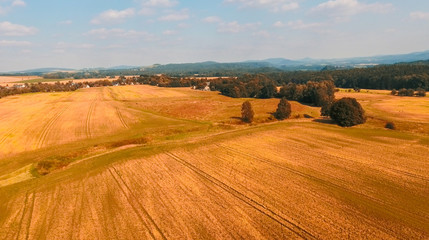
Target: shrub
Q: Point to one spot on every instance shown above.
(394, 92)
(347, 112)
(326, 109)
(421, 92)
(247, 112)
(402, 92)
(390, 125)
(283, 109)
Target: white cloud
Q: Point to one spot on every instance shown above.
(18, 3)
(159, 3)
(272, 5)
(299, 24)
(235, 27)
(279, 24)
(175, 16)
(419, 16)
(13, 43)
(169, 32)
(10, 29)
(104, 33)
(212, 19)
(346, 8)
(113, 16)
(8, 5)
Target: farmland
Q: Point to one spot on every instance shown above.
(200, 173)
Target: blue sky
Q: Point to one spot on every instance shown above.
(106, 33)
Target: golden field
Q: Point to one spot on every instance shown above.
(201, 174)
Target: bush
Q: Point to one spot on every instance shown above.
(394, 92)
(421, 92)
(326, 109)
(283, 109)
(410, 92)
(247, 112)
(402, 92)
(390, 125)
(347, 112)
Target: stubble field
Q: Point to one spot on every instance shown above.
(202, 175)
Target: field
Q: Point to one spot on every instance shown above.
(10, 80)
(140, 162)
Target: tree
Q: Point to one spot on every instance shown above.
(269, 90)
(347, 112)
(247, 112)
(421, 92)
(283, 110)
(326, 109)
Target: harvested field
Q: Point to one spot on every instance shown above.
(13, 79)
(167, 163)
(408, 113)
(232, 186)
(35, 121)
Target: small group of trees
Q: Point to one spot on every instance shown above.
(419, 92)
(346, 112)
(283, 111)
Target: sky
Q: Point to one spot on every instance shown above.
(107, 33)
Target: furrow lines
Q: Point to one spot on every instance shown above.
(248, 200)
(88, 120)
(326, 184)
(48, 128)
(121, 184)
(121, 118)
(24, 210)
(77, 215)
(6, 135)
(30, 216)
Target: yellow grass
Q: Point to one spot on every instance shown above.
(408, 113)
(11, 79)
(175, 163)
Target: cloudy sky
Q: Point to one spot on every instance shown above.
(106, 33)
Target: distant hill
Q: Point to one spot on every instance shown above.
(39, 71)
(283, 64)
(250, 66)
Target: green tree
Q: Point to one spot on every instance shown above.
(247, 112)
(283, 109)
(347, 112)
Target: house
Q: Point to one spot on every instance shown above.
(207, 87)
(19, 86)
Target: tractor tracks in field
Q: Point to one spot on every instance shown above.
(121, 117)
(331, 185)
(28, 208)
(7, 135)
(48, 127)
(246, 199)
(153, 229)
(88, 119)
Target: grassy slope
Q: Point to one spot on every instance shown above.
(200, 178)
